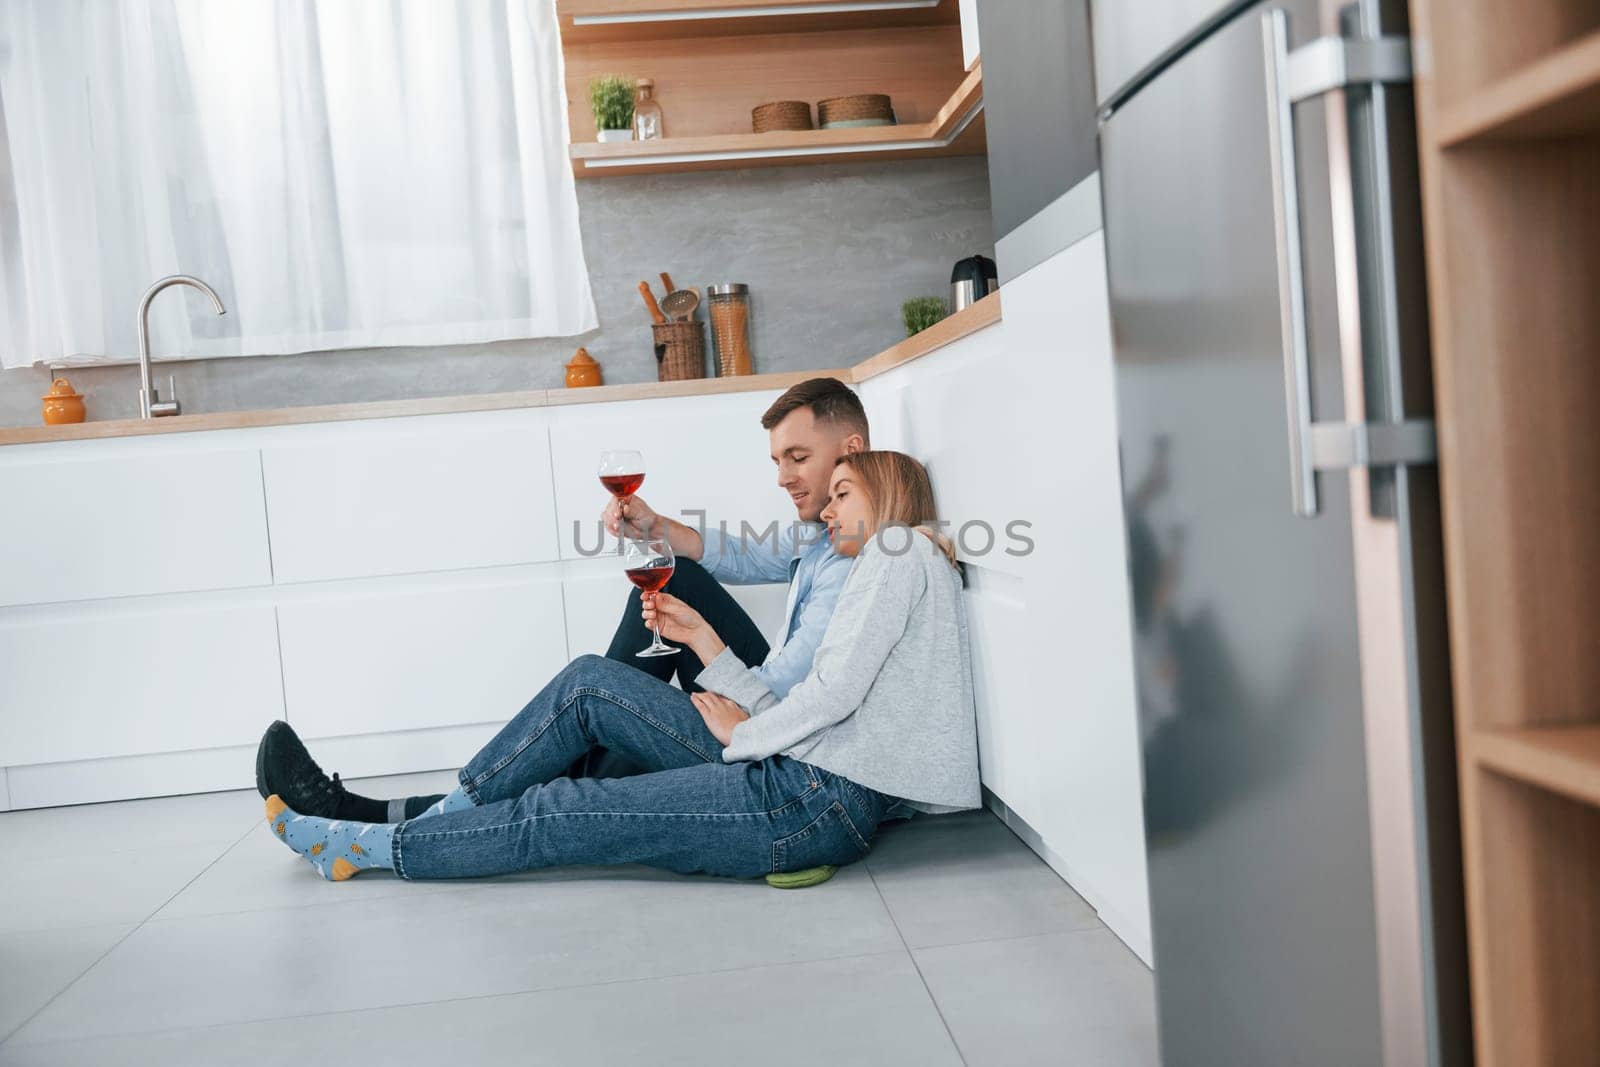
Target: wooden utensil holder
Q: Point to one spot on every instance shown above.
(680, 351)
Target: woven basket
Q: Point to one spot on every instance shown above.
(854, 108)
(680, 351)
(781, 115)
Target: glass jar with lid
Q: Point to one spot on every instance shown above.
(646, 112)
(728, 306)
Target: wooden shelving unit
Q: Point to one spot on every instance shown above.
(1509, 124)
(956, 129)
(1555, 96)
(712, 63)
(1562, 759)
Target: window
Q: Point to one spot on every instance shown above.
(346, 175)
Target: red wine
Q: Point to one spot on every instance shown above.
(650, 579)
(622, 485)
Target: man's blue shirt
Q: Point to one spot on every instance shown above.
(801, 555)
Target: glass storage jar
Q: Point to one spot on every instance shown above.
(728, 306)
(646, 112)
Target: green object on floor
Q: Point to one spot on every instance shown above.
(801, 879)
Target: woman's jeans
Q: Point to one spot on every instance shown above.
(689, 812)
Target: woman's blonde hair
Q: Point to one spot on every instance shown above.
(900, 492)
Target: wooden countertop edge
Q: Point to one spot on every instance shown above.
(946, 331)
(750, 383)
(239, 420)
(983, 313)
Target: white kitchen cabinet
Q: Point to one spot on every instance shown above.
(596, 592)
(409, 496)
(970, 52)
(1018, 422)
(391, 586)
(702, 454)
(116, 522)
(1091, 805)
(1006, 689)
(955, 410)
(446, 650)
(117, 679)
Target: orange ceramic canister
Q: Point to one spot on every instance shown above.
(62, 404)
(583, 370)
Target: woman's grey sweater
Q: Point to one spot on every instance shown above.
(888, 702)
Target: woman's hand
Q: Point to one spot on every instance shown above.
(681, 623)
(720, 713)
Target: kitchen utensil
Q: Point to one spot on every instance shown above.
(681, 304)
(650, 303)
(666, 281)
(62, 404)
(972, 279)
(729, 307)
(583, 370)
(680, 351)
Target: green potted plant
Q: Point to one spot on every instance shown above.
(611, 99)
(920, 312)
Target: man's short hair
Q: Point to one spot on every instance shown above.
(829, 399)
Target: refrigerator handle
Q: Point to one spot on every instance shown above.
(1291, 270)
(1323, 65)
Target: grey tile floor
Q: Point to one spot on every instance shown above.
(178, 931)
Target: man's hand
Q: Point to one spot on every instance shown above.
(720, 713)
(631, 517)
(681, 623)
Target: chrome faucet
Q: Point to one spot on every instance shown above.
(150, 403)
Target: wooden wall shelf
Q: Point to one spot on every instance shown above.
(611, 21)
(1562, 759)
(713, 62)
(955, 129)
(1554, 96)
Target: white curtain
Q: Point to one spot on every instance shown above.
(346, 174)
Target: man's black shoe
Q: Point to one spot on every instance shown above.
(284, 767)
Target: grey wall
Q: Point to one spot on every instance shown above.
(829, 252)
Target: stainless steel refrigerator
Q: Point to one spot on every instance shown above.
(1262, 222)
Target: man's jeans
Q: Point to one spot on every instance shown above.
(692, 584)
(688, 812)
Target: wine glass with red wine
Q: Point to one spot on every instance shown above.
(648, 563)
(622, 473)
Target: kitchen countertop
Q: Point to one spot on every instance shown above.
(984, 313)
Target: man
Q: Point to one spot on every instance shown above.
(809, 427)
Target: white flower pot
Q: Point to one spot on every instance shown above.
(609, 136)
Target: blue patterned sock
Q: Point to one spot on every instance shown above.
(337, 848)
(455, 800)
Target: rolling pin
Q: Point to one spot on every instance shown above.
(650, 302)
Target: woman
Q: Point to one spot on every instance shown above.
(740, 783)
